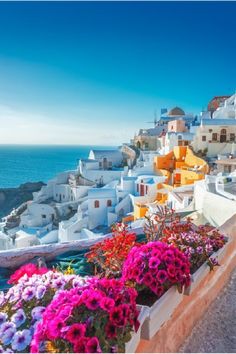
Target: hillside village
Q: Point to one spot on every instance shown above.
(185, 162)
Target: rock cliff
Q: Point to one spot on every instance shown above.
(13, 197)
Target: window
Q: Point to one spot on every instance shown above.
(44, 216)
(179, 137)
(146, 189)
(172, 127)
(204, 138)
(223, 131)
(137, 188)
(109, 203)
(210, 130)
(110, 163)
(232, 137)
(214, 137)
(96, 204)
(100, 164)
(63, 196)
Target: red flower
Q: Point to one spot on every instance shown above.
(76, 331)
(28, 269)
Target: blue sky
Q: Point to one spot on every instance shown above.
(91, 72)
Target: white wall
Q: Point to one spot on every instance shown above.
(37, 215)
(98, 216)
(215, 208)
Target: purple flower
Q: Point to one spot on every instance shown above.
(209, 248)
(40, 291)
(3, 317)
(21, 340)
(199, 249)
(28, 293)
(2, 298)
(37, 312)
(18, 318)
(7, 334)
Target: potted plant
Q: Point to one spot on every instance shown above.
(203, 245)
(100, 317)
(21, 308)
(158, 272)
(109, 255)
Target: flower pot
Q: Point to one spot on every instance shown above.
(204, 270)
(160, 312)
(131, 346)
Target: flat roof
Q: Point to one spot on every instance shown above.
(226, 162)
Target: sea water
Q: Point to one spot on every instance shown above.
(33, 163)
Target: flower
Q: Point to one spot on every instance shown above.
(21, 340)
(7, 333)
(92, 345)
(27, 269)
(40, 291)
(18, 318)
(37, 312)
(111, 330)
(100, 312)
(155, 266)
(117, 316)
(3, 317)
(107, 303)
(28, 293)
(75, 331)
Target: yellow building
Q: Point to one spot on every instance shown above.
(180, 167)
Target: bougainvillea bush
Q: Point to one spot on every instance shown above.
(197, 243)
(94, 319)
(109, 255)
(153, 268)
(21, 308)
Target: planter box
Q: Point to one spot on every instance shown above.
(160, 312)
(204, 270)
(131, 346)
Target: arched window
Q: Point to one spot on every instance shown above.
(223, 131)
(109, 203)
(96, 204)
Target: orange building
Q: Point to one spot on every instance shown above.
(181, 166)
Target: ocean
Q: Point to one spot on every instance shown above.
(23, 163)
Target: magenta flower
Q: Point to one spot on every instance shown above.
(93, 346)
(75, 331)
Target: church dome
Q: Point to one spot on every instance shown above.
(176, 111)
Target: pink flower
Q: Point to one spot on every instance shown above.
(111, 330)
(117, 317)
(162, 276)
(75, 331)
(93, 346)
(154, 262)
(54, 330)
(93, 301)
(107, 304)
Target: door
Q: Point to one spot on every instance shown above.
(142, 190)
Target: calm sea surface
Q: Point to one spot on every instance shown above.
(20, 164)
